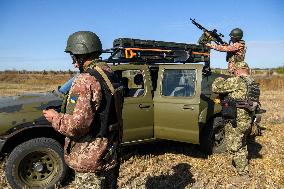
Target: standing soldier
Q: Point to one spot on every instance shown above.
(236, 48)
(238, 107)
(91, 119)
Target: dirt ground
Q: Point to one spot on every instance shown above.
(176, 165)
(172, 165)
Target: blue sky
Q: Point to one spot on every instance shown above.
(33, 33)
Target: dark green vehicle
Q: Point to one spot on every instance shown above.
(167, 96)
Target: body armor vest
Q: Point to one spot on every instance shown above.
(253, 90)
(108, 116)
(237, 56)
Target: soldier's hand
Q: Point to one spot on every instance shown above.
(49, 114)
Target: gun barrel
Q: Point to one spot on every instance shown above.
(197, 24)
(193, 22)
(213, 33)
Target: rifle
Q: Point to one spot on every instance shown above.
(211, 35)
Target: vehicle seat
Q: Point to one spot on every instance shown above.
(138, 80)
(124, 81)
(183, 88)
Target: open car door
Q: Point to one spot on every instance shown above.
(137, 110)
(176, 103)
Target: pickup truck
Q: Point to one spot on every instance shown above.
(162, 101)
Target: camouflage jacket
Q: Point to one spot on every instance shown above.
(235, 51)
(235, 88)
(82, 151)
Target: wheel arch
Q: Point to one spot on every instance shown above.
(207, 116)
(211, 129)
(28, 133)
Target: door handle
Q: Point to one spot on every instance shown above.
(144, 106)
(187, 106)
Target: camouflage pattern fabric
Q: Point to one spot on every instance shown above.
(235, 51)
(241, 65)
(83, 100)
(234, 87)
(82, 152)
(236, 138)
(106, 180)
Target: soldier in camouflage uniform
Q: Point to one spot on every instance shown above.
(239, 96)
(85, 149)
(236, 48)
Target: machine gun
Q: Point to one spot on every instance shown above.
(208, 35)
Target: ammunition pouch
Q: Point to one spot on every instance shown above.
(229, 111)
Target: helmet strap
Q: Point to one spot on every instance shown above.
(81, 59)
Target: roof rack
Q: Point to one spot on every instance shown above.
(129, 50)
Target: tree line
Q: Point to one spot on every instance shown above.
(43, 72)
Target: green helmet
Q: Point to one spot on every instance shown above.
(83, 42)
(237, 34)
(241, 65)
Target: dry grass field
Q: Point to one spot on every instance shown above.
(14, 84)
(171, 165)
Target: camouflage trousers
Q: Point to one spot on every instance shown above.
(236, 140)
(104, 180)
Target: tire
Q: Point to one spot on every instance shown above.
(212, 139)
(219, 144)
(37, 163)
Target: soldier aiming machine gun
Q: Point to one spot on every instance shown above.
(208, 35)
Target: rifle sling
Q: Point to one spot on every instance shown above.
(105, 77)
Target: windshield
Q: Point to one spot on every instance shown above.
(66, 86)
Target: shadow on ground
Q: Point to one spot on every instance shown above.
(253, 148)
(180, 178)
(162, 147)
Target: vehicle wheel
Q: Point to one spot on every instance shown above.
(212, 139)
(219, 144)
(37, 163)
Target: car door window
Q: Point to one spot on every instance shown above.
(133, 83)
(179, 82)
